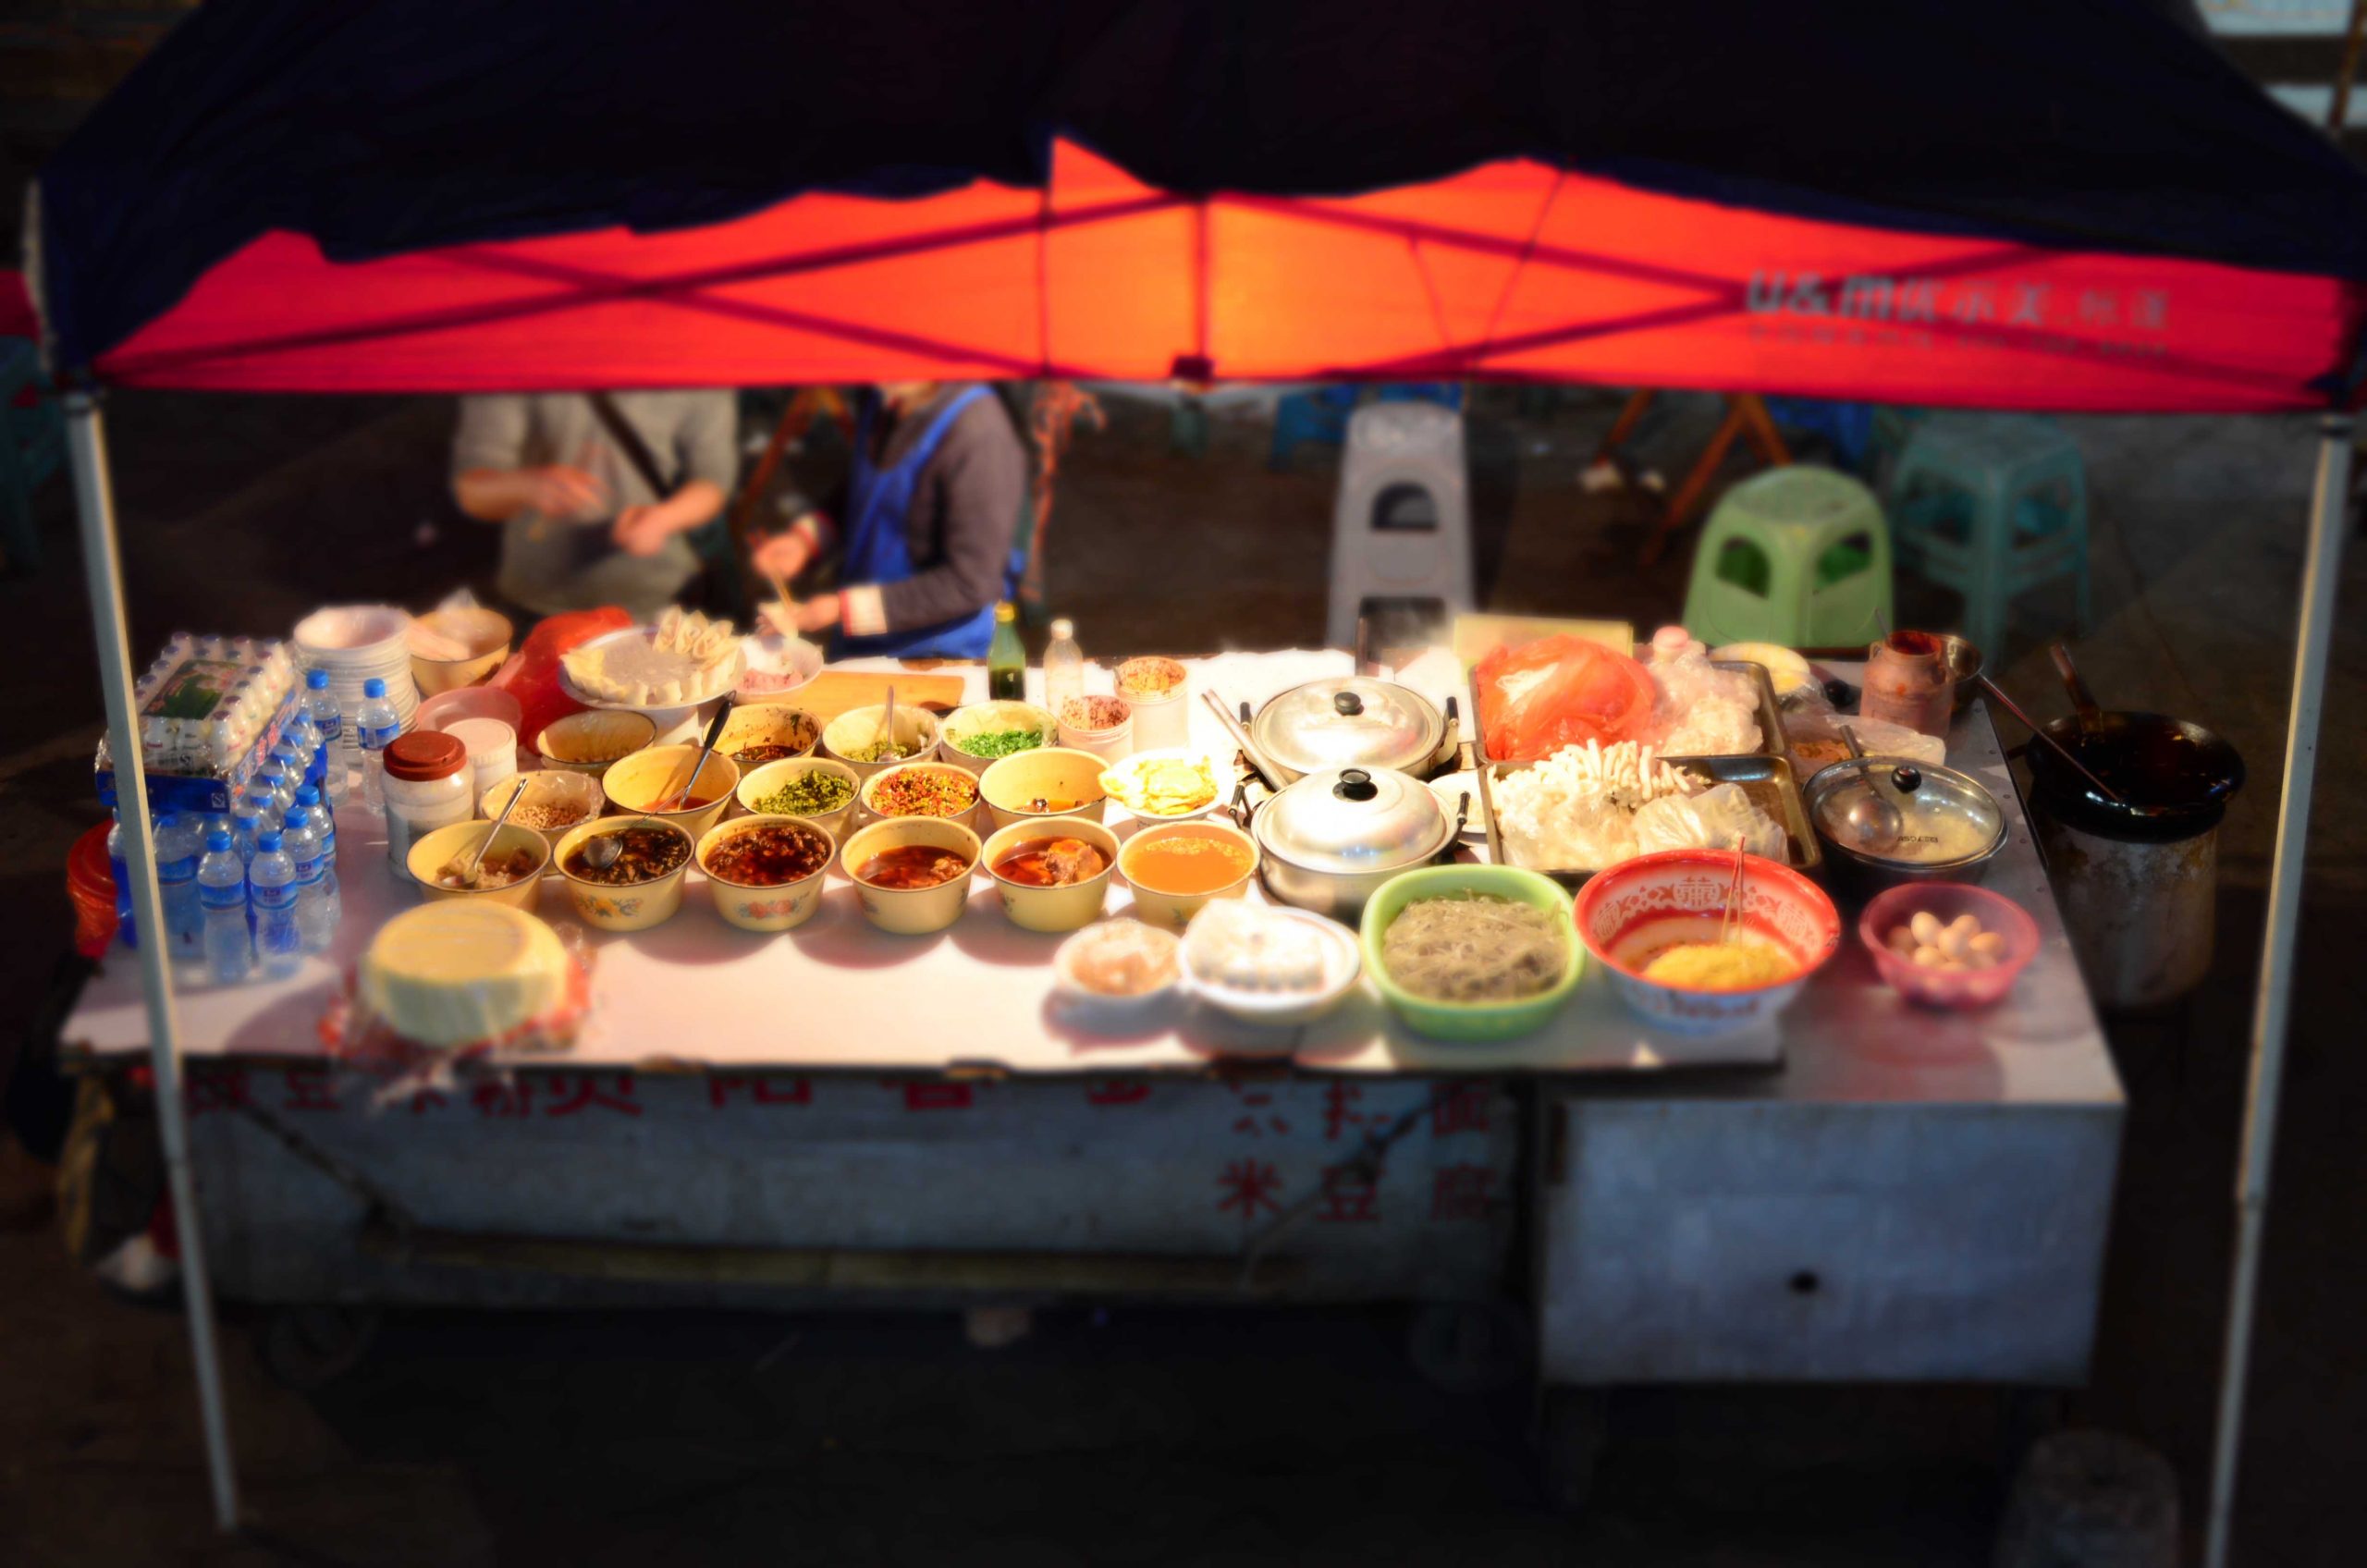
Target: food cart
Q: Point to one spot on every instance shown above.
(2206, 260)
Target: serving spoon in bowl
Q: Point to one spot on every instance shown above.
(601, 851)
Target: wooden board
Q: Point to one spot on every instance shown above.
(834, 692)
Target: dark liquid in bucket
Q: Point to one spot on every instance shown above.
(2156, 767)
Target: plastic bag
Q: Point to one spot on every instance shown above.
(1559, 692)
(530, 674)
(1812, 736)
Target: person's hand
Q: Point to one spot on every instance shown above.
(819, 613)
(641, 530)
(558, 491)
(782, 555)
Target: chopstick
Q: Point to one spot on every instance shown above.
(1733, 910)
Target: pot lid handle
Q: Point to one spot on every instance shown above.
(1347, 704)
(1355, 784)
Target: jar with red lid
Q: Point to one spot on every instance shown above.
(1907, 682)
(427, 787)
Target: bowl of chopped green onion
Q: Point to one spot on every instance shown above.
(983, 733)
(816, 789)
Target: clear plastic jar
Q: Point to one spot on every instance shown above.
(427, 785)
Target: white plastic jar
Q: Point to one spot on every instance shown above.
(428, 786)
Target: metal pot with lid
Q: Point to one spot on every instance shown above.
(1332, 838)
(1353, 721)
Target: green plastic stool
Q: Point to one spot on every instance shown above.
(1992, 507)
(1799, 556)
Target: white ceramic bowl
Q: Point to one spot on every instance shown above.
(1343, 962)
(1108, 743)
(1049, 773)
(1099, 1011)
(910, 912)
(1052, 909)
(885, 780)
(573, 792)
(986, 719)
(779, 906)
(767, 777)
(1220, 775)
(858, 728)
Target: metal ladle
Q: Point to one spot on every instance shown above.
(469, 875)
(1873, 821)
(601, 851)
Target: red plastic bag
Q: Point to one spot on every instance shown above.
(1559, 692)
(530, 674)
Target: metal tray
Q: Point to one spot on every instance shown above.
(1771, 714)
(1767, 781)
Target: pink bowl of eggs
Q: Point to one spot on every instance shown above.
(1637, 913)
(1944, 944)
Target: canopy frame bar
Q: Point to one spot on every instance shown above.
(2313, 641)
(103, 571)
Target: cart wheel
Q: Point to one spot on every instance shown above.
(307, 1348)
(1468, 1347)
(1573, 1425)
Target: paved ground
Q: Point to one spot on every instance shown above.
(1157, 1439)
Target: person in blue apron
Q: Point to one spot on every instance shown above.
(925, 533)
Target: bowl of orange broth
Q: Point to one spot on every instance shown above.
(1176, 868)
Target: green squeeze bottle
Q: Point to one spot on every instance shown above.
(1006, 658)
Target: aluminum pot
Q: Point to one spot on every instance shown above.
(1329, 840)
(1933, 803)
(1353, 721)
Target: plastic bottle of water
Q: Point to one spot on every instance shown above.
(275, 779)
(325, 822)
(314, 924)
(271, 887)
(374, 727)
(304, 747)
(245, 828)
(292, 767)
(258, 804)
(1063, 667)
(180, 840)
(221, 899)
(124, 927)
(328, 727)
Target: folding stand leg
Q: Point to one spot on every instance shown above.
(102, 568)
(2321, 575)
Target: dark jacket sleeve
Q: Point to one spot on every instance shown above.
(965, 516)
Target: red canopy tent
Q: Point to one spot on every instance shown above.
(2071, 204)
(1510, 271)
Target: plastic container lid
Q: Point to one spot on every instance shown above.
(1354, 819)
(374, 687)
(1352, 721)
(268, 843)
(425, 755)
(318, 679)
(216, 842)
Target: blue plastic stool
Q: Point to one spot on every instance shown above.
(1993, 507)
(33, 445)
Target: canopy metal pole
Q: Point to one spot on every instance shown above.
(103, 570)
(2321, 575)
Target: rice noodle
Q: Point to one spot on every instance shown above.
(1475, 949)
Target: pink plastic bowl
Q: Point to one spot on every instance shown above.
(1629, 913)
(1941, 987)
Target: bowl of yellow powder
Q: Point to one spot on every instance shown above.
(1655, 923)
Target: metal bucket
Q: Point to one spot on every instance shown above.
(2140, 912)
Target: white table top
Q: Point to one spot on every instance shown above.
(838, 994)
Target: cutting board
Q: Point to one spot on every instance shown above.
(834, 692)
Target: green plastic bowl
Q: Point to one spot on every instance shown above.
(1470, 1021)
